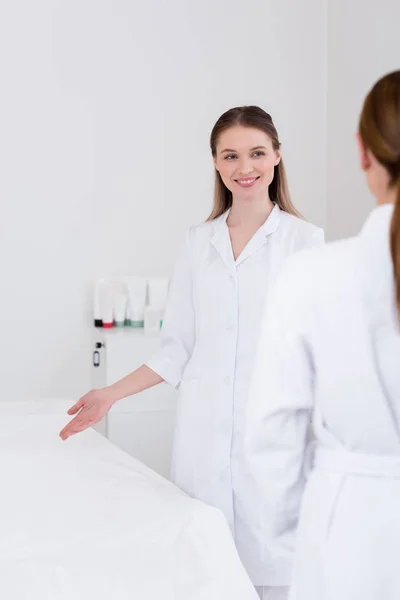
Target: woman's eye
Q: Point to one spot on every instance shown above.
(258, 153)
(230, 157)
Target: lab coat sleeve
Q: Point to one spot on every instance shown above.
(178, 331)
(279, 411)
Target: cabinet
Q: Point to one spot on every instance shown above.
(142, 425)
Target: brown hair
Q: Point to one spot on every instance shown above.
(255, 117)
(380, 132)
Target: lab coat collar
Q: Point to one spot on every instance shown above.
(272, 222)
(374, 235)
(374, 267)
(377, 224)
(221, 239)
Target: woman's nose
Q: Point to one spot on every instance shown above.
(245, 168)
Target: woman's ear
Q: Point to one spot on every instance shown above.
(278, 157)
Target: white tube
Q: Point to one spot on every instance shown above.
(152, 320)
(137, 288)
(106, 302)
(158, 294)
(119, 309)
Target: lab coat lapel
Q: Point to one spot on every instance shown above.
(261, 236)
(222, 243)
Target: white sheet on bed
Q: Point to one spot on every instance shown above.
(82, 520)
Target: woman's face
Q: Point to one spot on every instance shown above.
(246, 160)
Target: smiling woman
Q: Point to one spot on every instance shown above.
(226, 269)
(246, 151)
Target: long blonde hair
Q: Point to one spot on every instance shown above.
(380, 132)
(257, 118)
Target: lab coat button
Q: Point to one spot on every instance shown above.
(227, 380)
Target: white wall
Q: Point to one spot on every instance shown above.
(363, 44)
(106, 108)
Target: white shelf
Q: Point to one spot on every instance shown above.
(123, 332)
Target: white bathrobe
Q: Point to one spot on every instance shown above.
(329, 352)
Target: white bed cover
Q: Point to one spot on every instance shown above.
(83, 520)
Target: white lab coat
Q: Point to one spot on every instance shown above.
(329, 351)
(208, 344)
